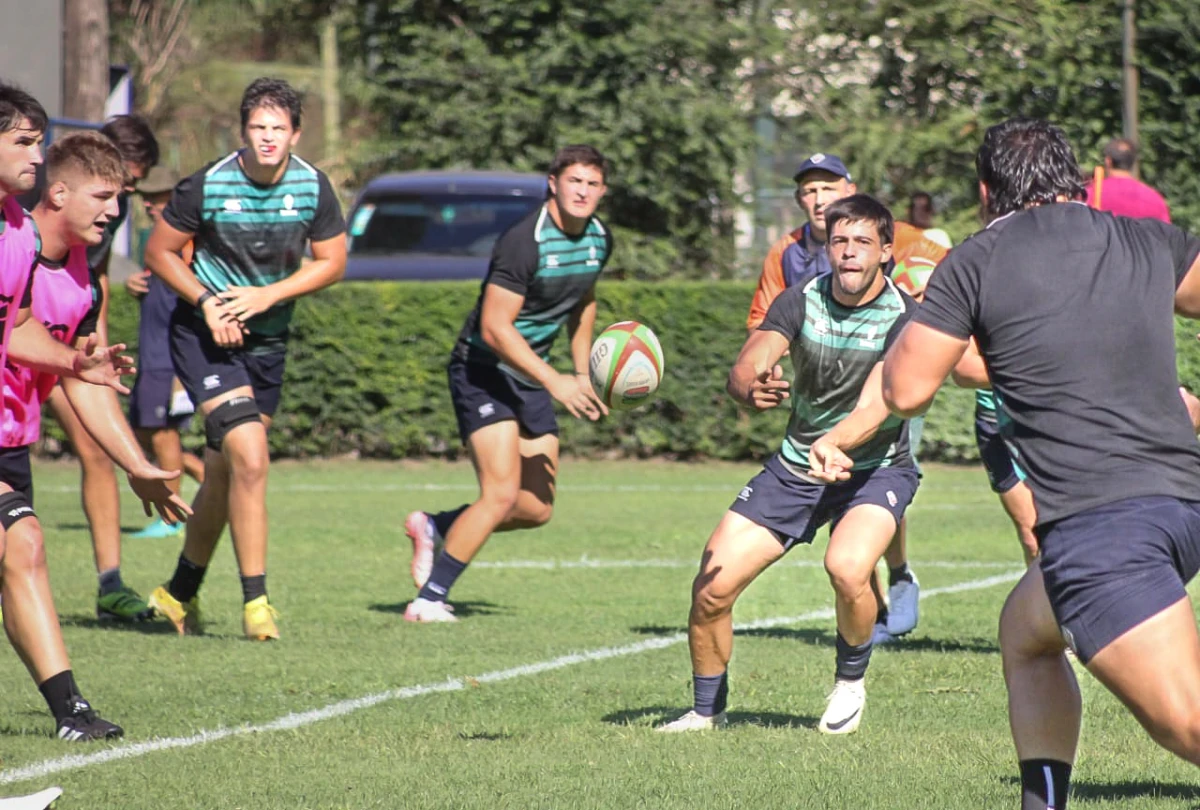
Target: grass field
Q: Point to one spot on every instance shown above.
(545, 695)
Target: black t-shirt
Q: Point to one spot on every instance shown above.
(1073, 311)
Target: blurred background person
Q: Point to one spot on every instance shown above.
(1115, 188)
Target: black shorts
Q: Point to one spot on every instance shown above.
(150, 401)
(1110, 568)
(1001, 473)
(483, 395)
(16, 471)
(207, 370)
(794, 509)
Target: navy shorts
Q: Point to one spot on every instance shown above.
(1110, 568)
(16, 471)
(208, 370)
(150, 401)
(483, 395)
(794, 509)
(1001, 473)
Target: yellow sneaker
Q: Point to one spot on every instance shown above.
(258, 620)
(185, 617)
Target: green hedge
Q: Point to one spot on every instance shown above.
(366, 375)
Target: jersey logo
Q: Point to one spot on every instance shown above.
(289, 207)
(869, 340)
(745, 494)
(592, 261)
(820, 327)
(212, 381)
(552, 261)
(233, 206)
(487, 409)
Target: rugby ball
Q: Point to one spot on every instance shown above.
(626, 365)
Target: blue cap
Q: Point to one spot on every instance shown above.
(826, 163)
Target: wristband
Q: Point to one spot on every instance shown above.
(204, 296)
(581, 374)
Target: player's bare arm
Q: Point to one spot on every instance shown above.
(916, 366)
(1187, 294)
(164, 260)
(327, 267)
(34, 347)
(756, 379)
(828, 457)
(580, 327)
(497, 318)
(971, 371)
(100, 412)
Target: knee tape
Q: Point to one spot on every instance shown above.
(226, 416)
(14, 506)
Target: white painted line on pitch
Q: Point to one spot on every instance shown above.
(296, 720)
(588, 563)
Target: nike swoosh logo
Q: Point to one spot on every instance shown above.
(841, 723)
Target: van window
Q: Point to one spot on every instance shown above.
(445, 224)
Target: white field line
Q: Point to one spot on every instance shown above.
(588, 563)
(48, 767)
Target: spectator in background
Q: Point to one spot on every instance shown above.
(1116, 189)
(159, 408)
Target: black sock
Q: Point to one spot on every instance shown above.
(1044, 784)
(442, 521)
(898, 574)
(254, 587)
(709, 693)
(58, 690)
(186, 582)
(110, 581)
(852, 661)
(446, 569)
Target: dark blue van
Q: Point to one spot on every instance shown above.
(435, 225)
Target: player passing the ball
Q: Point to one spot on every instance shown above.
(1092, 411)
(845, 461)
(542, 279)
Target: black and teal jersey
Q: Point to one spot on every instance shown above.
(833, 349)
(553, 271)
(251, 235)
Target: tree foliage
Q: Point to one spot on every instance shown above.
(499, 84)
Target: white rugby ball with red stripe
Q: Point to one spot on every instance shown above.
(626, 365)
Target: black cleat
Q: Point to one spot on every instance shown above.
(83, 724)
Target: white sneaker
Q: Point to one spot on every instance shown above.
(426, 610)
(694, 722)
(425, 541)
(845, 709)
(903, 606)
(37, 801)
(880, 635)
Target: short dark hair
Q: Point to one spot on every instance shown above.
(16, 104)
(1122, 153)
(88, 153)
(862, 208)
(578, 154)
(134, 140)
(1024, 162)
(267, 92)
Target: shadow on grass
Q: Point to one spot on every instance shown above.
(485, 736)
(812, 635)
(660, 714)
(69, 526)
(1090, 790)
(461, 609)
(90, 622)
(40, 724)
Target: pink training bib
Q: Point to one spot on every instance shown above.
(62, 298)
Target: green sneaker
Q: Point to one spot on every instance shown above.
(123, 605)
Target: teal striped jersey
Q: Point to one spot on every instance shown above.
(552, 270)
(833, 350)
(251, 235)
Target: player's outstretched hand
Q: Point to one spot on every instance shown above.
(150, 484)
(227, 330)
(244, 303)
(138, 284)
(769, 389)
(576, 394)
(103, 365)
(828, 462)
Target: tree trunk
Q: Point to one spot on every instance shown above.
(85, 58)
